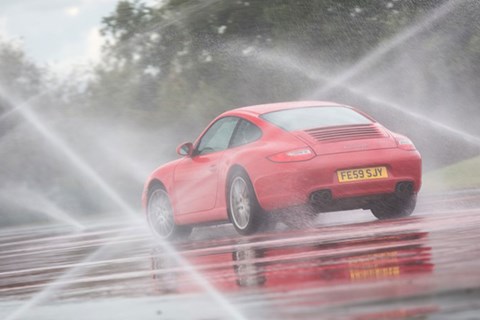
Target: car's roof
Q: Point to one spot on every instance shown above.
(271, 107)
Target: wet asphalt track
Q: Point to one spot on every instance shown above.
(350, 266)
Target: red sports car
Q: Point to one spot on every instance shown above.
(252, 162)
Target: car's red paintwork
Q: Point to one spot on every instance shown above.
(197, 185)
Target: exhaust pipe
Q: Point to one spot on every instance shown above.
(404, 189)
(321, 197)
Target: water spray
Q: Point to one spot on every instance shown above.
(381, 50)
(27, 114)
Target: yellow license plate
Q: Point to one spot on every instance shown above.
(362, 174)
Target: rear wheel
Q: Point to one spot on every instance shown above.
(160, 216)
(394, 207)
(245, 213)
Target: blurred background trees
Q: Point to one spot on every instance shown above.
(185, 54)
(169, 67)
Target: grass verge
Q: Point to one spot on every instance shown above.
(459, 176)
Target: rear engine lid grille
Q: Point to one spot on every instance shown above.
(343, 133)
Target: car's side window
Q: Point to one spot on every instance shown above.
(217, 137)
(246, 132)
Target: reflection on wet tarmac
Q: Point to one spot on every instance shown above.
(356, 268)
(299, 265)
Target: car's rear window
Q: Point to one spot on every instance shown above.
(314, 117)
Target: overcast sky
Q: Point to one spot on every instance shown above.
(56, 32)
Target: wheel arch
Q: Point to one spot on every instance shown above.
(234, 169)
(155, 183)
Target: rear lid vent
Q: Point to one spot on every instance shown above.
(343, 133)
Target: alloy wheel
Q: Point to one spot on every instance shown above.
(160, 214)
(240, 203)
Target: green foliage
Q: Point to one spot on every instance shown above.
(169, 68)
(19, 76)
(165, 58)
(461, 175)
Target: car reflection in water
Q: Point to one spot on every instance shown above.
(293, 266)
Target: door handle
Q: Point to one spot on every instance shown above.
(212, 168)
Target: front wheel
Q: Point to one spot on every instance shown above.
(160, 216)
(245, 212)
(394, 207)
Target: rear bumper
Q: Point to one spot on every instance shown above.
(281, 185)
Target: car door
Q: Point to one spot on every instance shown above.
(196, 177)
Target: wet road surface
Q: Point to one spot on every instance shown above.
(350, 266)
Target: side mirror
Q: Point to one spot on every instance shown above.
(185, 149)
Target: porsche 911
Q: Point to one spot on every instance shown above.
(252, 162)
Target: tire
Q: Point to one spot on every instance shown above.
(245, 213)
(160, 216)
(392, 208)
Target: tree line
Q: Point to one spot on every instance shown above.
(168, 68)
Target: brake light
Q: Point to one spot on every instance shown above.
(303, 154)
(405, 144)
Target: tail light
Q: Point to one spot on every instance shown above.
(405, 143)
(302, 154)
